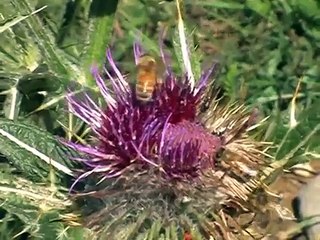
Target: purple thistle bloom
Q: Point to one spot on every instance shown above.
(159, 160)
(164, 134)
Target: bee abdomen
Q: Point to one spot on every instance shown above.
(144, 96)
(144, 89)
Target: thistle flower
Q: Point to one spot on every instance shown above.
(165, 165)
(164, 134)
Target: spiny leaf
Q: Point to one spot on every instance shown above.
(72, 35)
(53, 99)
(37, 206)
(7, 81)
(134, 228)
(11, 22)
(154, 232)
(304, 137)
(185, 55)
(12, 103)
(36, 198)
(49, 229)
(45, 42)
(39, 81)
(100, 28)
(184, 47)
(33, 151)
(171, 232)
(74, 234)
(28, 201)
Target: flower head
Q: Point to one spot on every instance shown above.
(153, 158)
(164, 133)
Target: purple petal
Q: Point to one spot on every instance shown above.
(204, 79)
(163, 133)
(88, 150)
(102, 87)
(119, 94)
(84, 175)
(143, 157)
(122, 82)
(85, 112)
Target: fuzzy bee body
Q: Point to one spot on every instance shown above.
(148, 77)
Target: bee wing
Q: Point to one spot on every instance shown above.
(161, 69)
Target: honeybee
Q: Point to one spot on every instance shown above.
(149, 74)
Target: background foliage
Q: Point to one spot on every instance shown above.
(263, 47)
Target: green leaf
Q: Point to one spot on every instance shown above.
(219, 4)
(33, 151)
(44, 39)
(231, 84)
(12, 104)
(71, 37)
(29, 204)
(53, 230)
(172, 231)
(39, 81)
(154, 232)
(195, 57)
(53, 99)
(17, 191)
(261, 7)
(299, 142)
(309, 8)
(74, 233)
(11, 22)
(132, 229)
(100, 29)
